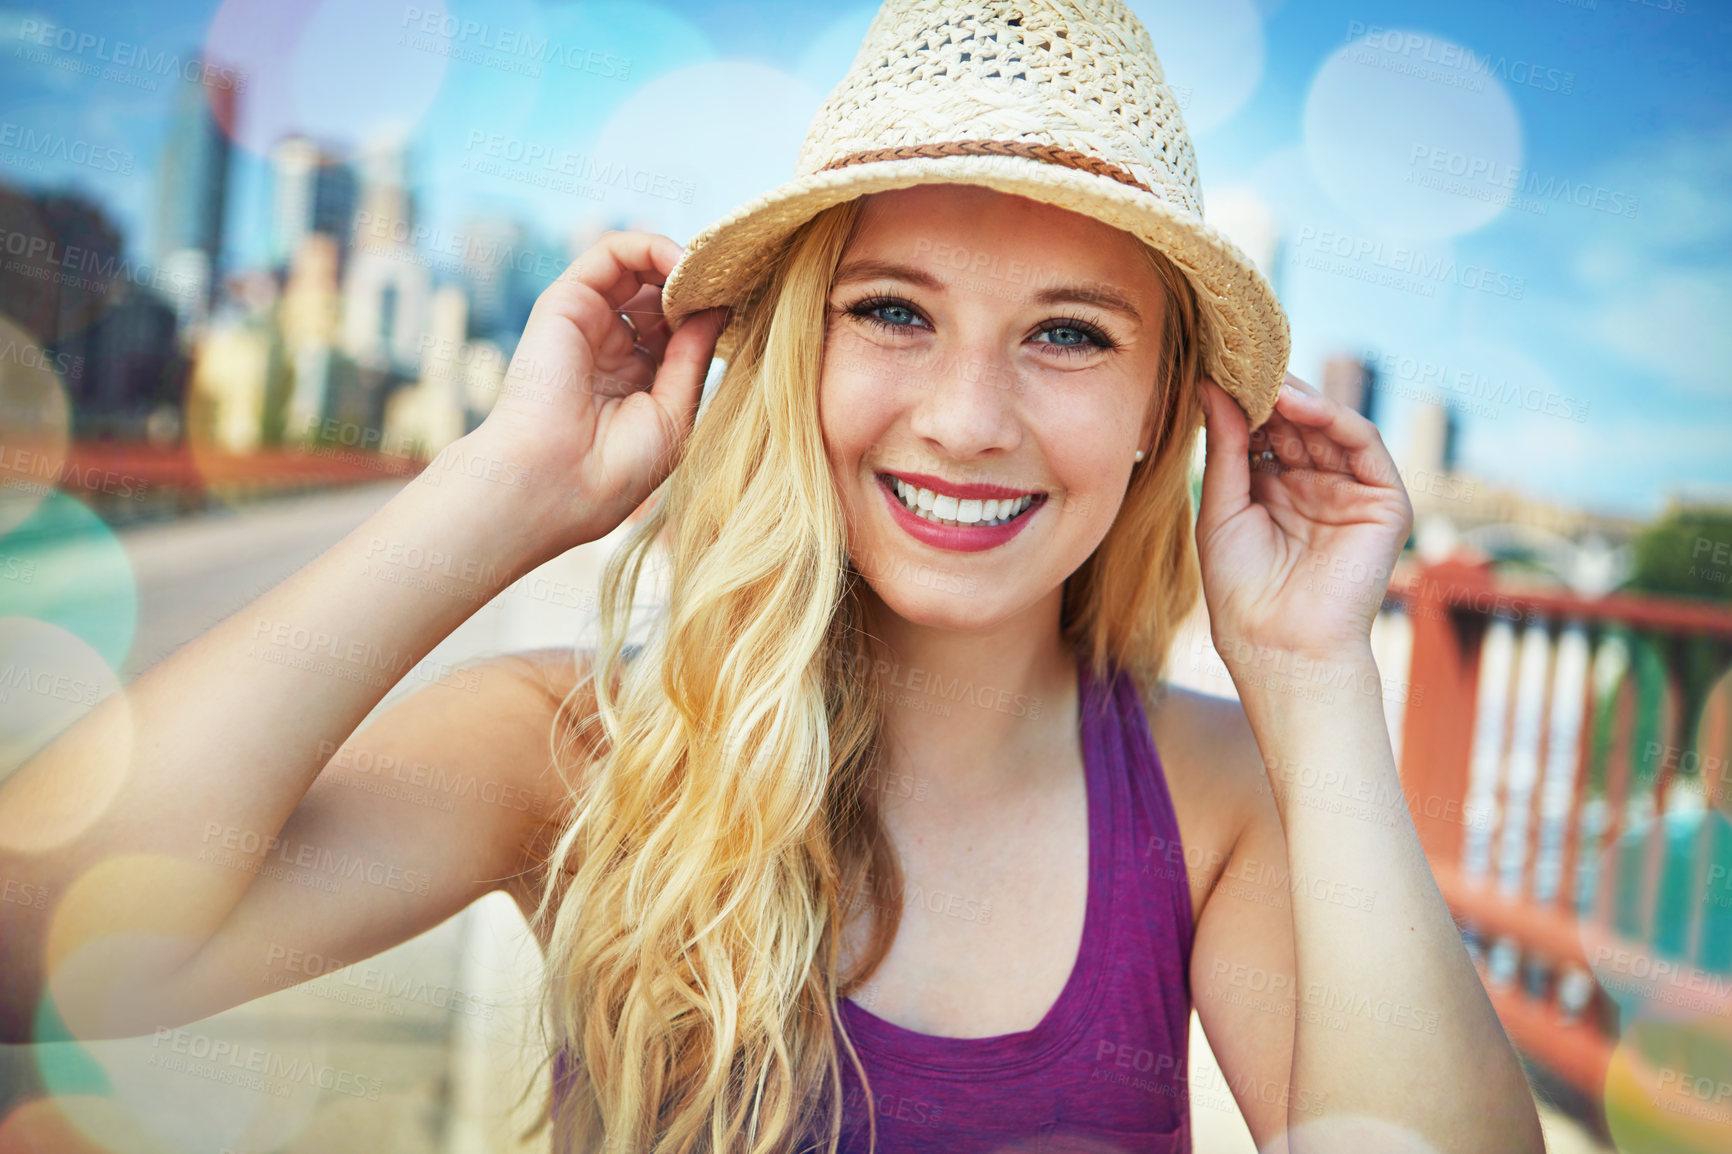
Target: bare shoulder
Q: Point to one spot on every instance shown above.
(1214, 772)
(554, 737)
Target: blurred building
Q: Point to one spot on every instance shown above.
(231, 382)
(311, 191)
(98, 312)
(458, 382)
(311, 306)
(310, 313)
(1525, 537)
(430, 413)
(1433, 438)
(387, 287)
(192, 197)
(504, 269)
(1352, 381)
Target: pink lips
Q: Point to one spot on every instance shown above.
(957, 538)
(960, 492)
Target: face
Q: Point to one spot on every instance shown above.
(991, 361)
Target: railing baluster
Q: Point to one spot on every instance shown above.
(1491, 743)
(1657, 845)
(1564, 764)
(1609, 856)
(1571, 858)
(1578, 992)
(1522, 759)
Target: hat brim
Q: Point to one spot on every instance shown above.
(1246, 342)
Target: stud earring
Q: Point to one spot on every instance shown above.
(1139, 454)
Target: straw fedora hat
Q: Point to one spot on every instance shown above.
(1059, 101)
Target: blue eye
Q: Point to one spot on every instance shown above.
(866, 308)
(1075, 334)
(1070, 335)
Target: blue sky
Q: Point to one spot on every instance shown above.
(1606, 286)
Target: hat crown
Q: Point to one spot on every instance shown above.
(1080, 76)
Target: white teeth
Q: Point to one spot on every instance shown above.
(947, 510)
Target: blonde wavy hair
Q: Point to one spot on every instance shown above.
(724, 825)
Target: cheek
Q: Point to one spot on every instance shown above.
(1088, 446)
(855, 409)
(1081, 436)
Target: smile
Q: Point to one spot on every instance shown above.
(944, 509)
(967, 519)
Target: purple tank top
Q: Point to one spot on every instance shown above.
(1105, 1071)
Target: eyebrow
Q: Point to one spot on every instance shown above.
(1103, 295)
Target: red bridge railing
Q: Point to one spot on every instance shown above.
(1566, 763)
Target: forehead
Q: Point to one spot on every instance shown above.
(968, 228)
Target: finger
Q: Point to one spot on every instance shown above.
(679, 383)
(615, 349)
(1354, 444)
(619, 264)
(1325, 455)
(594, 288)
(1283, 437)
(634, 373)
(1226, 472)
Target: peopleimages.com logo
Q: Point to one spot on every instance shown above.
(1483, 178)
(1382, 46)
(112, 59)
(1397, 266)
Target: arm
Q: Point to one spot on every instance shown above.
(1395, 1044)
(177, 826)
(1394, 1023)
(446, 796)
(152, 819)
(1242, 967)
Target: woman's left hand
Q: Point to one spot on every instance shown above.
(1296, 552)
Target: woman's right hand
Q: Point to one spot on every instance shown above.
(596, 419)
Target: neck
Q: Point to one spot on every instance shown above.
(973, 713)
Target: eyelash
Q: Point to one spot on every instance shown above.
(863, 310)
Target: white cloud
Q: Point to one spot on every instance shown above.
(1675, 323)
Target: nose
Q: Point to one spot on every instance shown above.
(968, 405)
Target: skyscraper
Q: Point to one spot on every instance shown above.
(313, 191)
(192, 195)
(1352, 381)
(387, 287)
(1433, 438)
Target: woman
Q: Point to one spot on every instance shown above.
(870, 843)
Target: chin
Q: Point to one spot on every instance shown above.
(925, 593)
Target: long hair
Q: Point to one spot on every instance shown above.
(724, 826)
